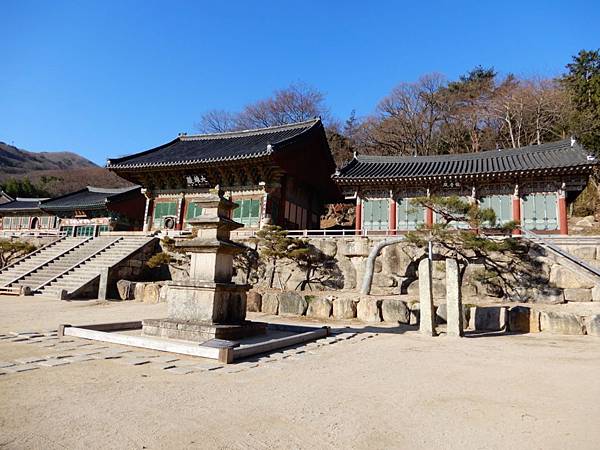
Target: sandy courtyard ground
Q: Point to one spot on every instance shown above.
(394, 390)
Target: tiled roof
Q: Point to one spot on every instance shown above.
(21, 204)
(553, 157)
(86, 199)
(210, 148)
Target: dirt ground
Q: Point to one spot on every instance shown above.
(395, 390)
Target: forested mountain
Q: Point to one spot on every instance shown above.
(49, 174)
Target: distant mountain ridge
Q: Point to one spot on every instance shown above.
(16, 161)
(56, 173)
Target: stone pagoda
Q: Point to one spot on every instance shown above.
(208, 305)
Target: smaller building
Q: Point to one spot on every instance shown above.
(532, 185)
(86, 212)
(24, 215)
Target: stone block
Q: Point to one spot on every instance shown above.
(564, 278)
(593, 325)
(151, 293)
(489, 318)
(270, 303)
(319, 308)
(207, 303)
(368, 310)
(292, 304)
(415, 313)
(561, 323)
(138, 291)
(441, 314)
(523, 320)
(394, 310)
(162, 295)
(344, 308)
(254, 301)
(578, 295)
(596, 294)
(546, 295)
(126, 289)
(584, 252)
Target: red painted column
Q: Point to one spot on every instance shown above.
(563, 224)
(392, 224)
(358, 214)
(180, 215)
(516, 210)
(428, 217)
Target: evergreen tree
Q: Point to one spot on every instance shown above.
(582, 82)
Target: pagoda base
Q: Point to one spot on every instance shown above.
(201, 331)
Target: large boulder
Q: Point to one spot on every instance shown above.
(270, 303)
(578, 295)
(253, 301)
(561, 323)
(344, 308)
(319, 308)
(587, 221)
(292, 304)
(593, 325)
(489, 318)
(394, 310)
(523, 320)
(126, 289)
(368, 310)
(564, 278)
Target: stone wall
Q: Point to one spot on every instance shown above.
(132, 268)
(373, 310)
(540, 277)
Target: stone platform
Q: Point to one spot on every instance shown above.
(201, 331)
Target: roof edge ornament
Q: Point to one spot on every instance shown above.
(573, 141)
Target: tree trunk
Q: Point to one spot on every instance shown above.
(370, 266)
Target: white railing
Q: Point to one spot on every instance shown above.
(31, 233)
(249, 233)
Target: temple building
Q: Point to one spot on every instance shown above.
(22, 215)
(279, 175)
(533, 185)
(86, 212)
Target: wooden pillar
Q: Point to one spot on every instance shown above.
(563, 223)
(149, 209)
(392, 217)
(428, 214)
(516, 209)
(180, 212)
(358, 214)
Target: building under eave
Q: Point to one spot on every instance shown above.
(92, 210)
(279, 175)
(86, 212)
(22, 215)
(532, 185)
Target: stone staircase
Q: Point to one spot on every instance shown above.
(38, 258)
(86, 273)
(70, 264)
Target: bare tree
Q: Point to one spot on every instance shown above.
(296, 103)
(217, 121)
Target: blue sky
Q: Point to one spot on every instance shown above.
(108, 78)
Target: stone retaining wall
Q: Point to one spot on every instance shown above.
(545, 278)
(518, 319)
